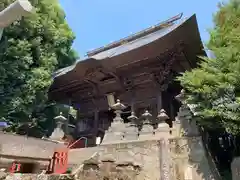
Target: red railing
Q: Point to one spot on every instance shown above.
(58, 163)
(80, 143)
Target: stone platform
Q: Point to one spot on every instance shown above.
(172, 159)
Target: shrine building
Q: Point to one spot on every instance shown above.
(139, 70)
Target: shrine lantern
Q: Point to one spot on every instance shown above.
(58, 132)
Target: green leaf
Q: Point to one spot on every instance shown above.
(31, 50)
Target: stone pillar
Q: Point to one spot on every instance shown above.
(162, 117)
(116, 131)
(185, 117)
(177, 127)
(58, 133)
(147, 127)
(235, 167)
(132, 128)
(188, 123)
(188, 173)
(179, 152)
(164, 160)
(162, 129)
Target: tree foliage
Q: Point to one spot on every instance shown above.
(215, 85)
(30, 51)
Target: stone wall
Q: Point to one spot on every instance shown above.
(16, 145)
(138, 159)
(181, 159)
(35, 177)
(168, 159)
(235, 167)
(189, 160)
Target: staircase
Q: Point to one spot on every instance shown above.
(78, 156)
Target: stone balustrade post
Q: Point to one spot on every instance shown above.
(188, 126)
(58, 132)
(147, 126)
(161, 120)
(132, 127)
(116, 131)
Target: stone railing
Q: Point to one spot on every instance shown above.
(139, 128)
(181, 158)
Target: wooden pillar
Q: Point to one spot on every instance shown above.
(67, 123)
(172, 111)
(159, 101)
(96, 120)
(132, 102)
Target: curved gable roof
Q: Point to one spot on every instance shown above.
(135, 43)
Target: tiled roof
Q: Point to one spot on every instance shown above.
(144, 39)
(137, 35)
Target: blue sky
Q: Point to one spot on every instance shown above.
(99, 22)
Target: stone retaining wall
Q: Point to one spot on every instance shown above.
(143, 160)
(235, 167)
(17, 145)
(35, 177)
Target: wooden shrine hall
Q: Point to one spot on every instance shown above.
(139, 70)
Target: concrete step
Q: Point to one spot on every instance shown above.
(78, 156)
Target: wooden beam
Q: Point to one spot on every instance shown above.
(94, 86)
(118, 79)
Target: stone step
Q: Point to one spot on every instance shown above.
(78, 156)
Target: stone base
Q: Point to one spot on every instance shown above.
(174, 158)
(19, 176)
(131, 136)
(111, 137)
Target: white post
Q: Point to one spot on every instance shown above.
(111, 99)
(14, 12)
(98, 141)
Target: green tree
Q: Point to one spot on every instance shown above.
(215, 85)
(30, 51)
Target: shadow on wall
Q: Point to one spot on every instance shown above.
(191, 159)
(221, 146)
(210, 158)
